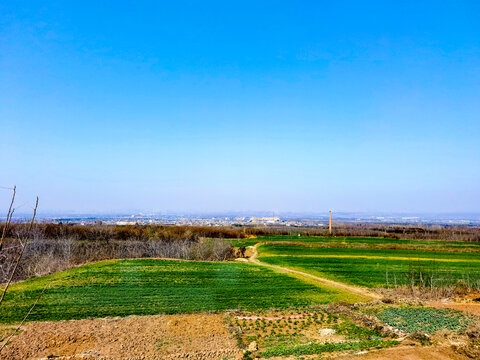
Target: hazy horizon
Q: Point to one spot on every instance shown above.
(210, 107)
(336, 215)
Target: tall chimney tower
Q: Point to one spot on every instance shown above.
(330, 222)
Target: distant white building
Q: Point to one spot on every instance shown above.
(123, 223)
(265, 220)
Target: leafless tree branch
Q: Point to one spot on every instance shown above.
(9, 217)
(28, 313)
(23, 244)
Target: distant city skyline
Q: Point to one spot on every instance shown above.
(212, 106)
(253, 217)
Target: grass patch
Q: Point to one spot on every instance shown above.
(7, 331)
(284, 340)
(152, 286)
(353, 331)
(310, 349)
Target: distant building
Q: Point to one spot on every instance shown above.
(265, 220)
(123, 223)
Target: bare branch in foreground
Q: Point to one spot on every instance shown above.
(23, 245)
(28, 313)
(9, 217)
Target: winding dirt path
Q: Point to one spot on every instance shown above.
(356, 290)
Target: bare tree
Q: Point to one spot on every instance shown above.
(17, 329)
(8, 218)
(23, 243)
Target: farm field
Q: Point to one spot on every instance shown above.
(363, 242)
(152, 286)
(192, 336)
(318, 331)
(284, 313)
(373, 267)
(307, 332)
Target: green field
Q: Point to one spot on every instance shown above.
(372, 266)
(150, 286)
(363, 242)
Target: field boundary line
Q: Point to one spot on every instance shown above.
(374, 257)
(353, 246)
(356, 290)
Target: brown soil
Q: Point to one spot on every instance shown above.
(136, 337)
(471, 308)
(407, 353)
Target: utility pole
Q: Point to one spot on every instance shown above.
(330, 222)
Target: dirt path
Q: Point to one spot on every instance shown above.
(359, 291)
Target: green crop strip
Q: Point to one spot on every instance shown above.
(151, 286)
(363, 242)
(376, 267)
(328, 347)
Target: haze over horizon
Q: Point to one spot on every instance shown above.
(212, 106)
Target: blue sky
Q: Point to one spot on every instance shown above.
(263, 105)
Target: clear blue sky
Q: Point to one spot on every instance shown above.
(249, 105)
